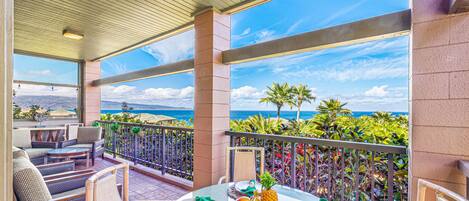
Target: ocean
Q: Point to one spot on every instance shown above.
(238, 114)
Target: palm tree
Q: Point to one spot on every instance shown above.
(301, 94)
(333, 108)
(382, 116)
(329, 110)
(279, 95)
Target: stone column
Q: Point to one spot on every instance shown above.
(91, 95)
(212, 97)
(6, 76)
(439, 95)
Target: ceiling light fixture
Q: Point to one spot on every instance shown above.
(72, 35)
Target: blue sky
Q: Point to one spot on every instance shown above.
(370, 76)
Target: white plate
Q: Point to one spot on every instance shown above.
(244, 184)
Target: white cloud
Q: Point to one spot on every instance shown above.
(118, 92)
(246, 31)
(264, 35)
(246, 92)
(177, 97)
(39, 90)
(373, 73)
(46, 72)
(173, 49)
(293, 27)
(123, 89)
(377, 91)
(378, 98)
(169, 93)
(340, 13)
(354, 70)
(116, 68)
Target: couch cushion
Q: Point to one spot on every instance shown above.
(37, 152)
(87, 135)
(89, 146)
(17, 152)
(72, 132)
(28, 183)
(22, 138)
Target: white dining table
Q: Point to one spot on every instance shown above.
(219, 192)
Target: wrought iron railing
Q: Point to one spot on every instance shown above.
(168, 149)
(336, 170)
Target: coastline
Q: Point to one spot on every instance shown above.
(239, 114)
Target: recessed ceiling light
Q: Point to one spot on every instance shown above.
(72, 35)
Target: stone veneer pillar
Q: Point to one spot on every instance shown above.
(212, 97)
(91, 95)
(439, 95)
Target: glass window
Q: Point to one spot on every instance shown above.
(45, 86)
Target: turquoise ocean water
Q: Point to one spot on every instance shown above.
(237, 114)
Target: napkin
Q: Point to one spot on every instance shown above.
(249, 191)
(203, 198)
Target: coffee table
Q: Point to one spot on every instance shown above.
(68, 153)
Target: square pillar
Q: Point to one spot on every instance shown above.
(212, 97)
(6, 94)
(91, 95)
(439, 96)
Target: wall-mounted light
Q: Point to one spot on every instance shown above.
(72, 34)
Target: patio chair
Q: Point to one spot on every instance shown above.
(72, 130)
(441, 194)
(88, 137)
(244, 164)
(30, 185)
(101, 186)
(47, 169)
(37, 151)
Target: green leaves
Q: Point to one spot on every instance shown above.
(135, 130)
(267, 180)
(115, 127)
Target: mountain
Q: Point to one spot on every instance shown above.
(47, 102)
(56, 102)
(111, 105)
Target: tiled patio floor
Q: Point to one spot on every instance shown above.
(142, 187)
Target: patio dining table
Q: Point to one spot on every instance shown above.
(219, 192)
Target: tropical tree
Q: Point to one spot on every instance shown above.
(279, 95)
(301, 93)
(333, 108)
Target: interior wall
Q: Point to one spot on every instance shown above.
(6, 72)
(440, 94)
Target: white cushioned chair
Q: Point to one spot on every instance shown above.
(36, 150)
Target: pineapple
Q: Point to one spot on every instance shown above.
(267, 182)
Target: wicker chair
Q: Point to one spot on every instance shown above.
(244, 167)
(30, 183)
(87, 137)
(441, 194)
(102, 185)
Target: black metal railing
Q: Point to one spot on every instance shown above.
(336, 170)
(168, 149)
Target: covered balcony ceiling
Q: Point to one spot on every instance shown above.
(109, 27)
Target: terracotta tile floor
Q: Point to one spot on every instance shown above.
(142, 187)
